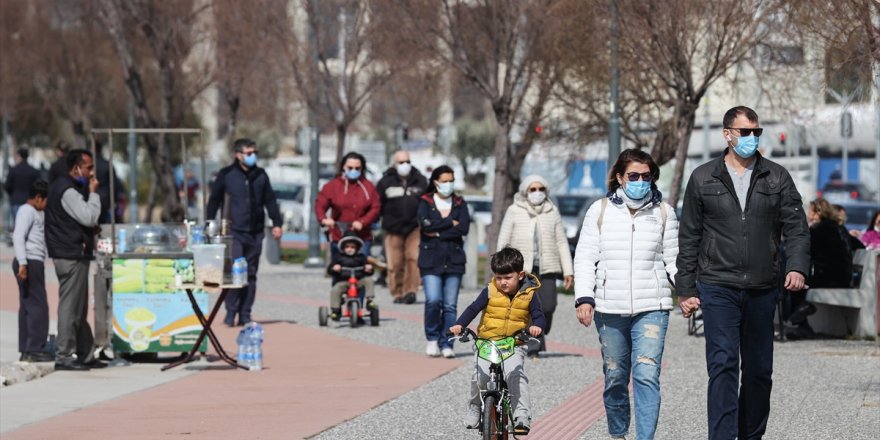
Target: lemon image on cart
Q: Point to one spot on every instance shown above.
(140, 321)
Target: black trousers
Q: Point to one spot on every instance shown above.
(547, 294)
(738, 327)
(33, 307)
(241, 301)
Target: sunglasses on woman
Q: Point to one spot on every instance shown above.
(632, 177)
(535, 189)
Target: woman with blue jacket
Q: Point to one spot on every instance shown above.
(444, 221)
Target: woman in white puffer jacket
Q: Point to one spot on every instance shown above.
(533, 226)
(624, 260)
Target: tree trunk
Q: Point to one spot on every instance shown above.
(232, 102)
(341, 131)
(501, 191)
(683, 128)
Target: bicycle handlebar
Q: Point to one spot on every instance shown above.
(467, 334)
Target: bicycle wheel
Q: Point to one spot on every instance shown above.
(490, 418)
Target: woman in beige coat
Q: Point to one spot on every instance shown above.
(533, 226)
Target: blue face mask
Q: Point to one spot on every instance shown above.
(445, 188)
(637, 190)
(351, 174)
(250, 160)
(746, 146)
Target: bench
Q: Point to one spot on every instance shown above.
(841, 312)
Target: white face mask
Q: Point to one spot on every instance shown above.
(537, 197)
(403, 169)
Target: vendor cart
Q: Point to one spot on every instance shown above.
(140, 306)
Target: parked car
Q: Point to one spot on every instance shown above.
(838, 191)
(292, 202)
(480, 207)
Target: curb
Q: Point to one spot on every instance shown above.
(12, 373)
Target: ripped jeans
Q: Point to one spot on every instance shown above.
(632, 343)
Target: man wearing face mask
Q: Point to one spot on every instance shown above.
(250, 196)
(736, 210)
(72, 213)
(399, 191)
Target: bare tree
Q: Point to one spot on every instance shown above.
(503, 49)
(671, 52)
(244, 50)
(68, 58)
(341, 62)
(168, 30)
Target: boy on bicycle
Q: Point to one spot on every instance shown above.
(509, 304)
(349, 256)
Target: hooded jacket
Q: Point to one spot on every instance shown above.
(518, 231)
(723, 245)
(400, 200)
(349, 201)
(505, 315)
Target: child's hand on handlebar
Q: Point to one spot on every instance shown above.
(535, 331)
(455, 330)
(368, 268)
(336, 268)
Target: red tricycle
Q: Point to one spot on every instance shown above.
(354, 304)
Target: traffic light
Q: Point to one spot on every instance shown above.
(538, 130)
(782, 139)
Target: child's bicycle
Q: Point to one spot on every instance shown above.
(354, 305)
(496, 419)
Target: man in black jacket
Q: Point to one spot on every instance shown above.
(19, 181)
(250, 193)
(736, 210)
(71, 217)
(399, 191)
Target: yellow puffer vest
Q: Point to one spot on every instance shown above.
(504, 315)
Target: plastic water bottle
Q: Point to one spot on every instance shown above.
(255, 341)
(239, 271)
(240, 340)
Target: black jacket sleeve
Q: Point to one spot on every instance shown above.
(794, 229)
(272, 205)
(690, 231)
(474, 309)
(537, 313)
(218, 191)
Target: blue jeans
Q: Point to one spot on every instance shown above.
(441, 306)
(738, 325)
(632, 343)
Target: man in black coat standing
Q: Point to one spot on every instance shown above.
(399, 191)
(250, 193)
(19, 181)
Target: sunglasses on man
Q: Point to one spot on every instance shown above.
(748, 131)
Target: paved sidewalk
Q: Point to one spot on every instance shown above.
(376, 383)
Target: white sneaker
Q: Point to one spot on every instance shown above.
(472, 419)
(448, 353)
(432, 349)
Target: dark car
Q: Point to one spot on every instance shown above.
(838, 191)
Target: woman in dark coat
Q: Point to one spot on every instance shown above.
(444, 221)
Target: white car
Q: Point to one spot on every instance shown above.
(292, 202)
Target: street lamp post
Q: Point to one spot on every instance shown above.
(314, 259)
(614, 122)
